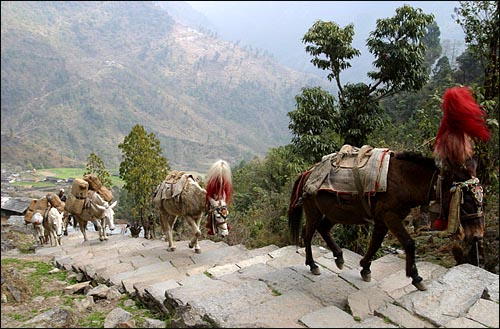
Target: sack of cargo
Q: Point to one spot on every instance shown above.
(54, 200)
(30, 211)
(79, 188)
(94, 181)
(41, 205)
(105, 193)
(73, 205)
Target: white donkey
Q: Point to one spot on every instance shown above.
(108, 220)
(38, 231)
(98, 211)
(53, 226)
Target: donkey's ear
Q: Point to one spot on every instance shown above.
(114, 204)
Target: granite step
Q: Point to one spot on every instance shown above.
(230, 286)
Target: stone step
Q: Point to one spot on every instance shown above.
(230, 286)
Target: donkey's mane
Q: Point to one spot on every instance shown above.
(415, 157)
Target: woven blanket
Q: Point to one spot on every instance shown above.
(172, 186)
(335, 174)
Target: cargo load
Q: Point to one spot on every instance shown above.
(105, 193)
(94, 181)
(30, 211)
(79, 188)
(73, 204)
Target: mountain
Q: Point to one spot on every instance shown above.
(279, 26)
(77, 76)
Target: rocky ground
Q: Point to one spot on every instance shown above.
(35, 294)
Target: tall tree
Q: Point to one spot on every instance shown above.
(398, 46)
(96, 166)
(143, 167)
(480, 21)
(432, 43)
(313, 124)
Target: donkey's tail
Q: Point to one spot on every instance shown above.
(295, 208)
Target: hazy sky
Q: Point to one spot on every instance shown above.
(278, 26)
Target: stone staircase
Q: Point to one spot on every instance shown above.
(230, 286)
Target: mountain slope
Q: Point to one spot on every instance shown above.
(77, 76)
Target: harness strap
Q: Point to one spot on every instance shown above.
(357, 181)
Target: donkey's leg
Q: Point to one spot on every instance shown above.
(378, 234)
(324, 228)
(102, 221)
(100, 228)
(169, 227)
(66, 221)
(195, 228)
(397, 228)
(53, 237)
(82, 223)
(313, 218)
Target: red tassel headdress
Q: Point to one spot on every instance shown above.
(219, 182)
(462, 118)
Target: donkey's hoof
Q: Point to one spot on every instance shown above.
(172, 248)
(418, 282)
(420, 286)
(366, 275)
(198, 251)
(339, 263)
(315, 271)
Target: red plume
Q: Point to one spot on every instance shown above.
(219, 182)
(462, 118)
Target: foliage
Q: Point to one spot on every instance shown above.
(399, 48)
(469, 71)
(142, 169)
(96, 166)
(313, 124)
(433, 48)
(480, 21)
(398, 45)
(261, 198)
(328, 40)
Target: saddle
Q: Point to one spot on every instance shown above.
(172, 186)
(351, 157)
(350, 171)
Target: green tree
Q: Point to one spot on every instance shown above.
(398, 46)
(313, 124)
(480, 21)
(432, 43)
(469, 71)
(96, 166)
(262, 196)
(143, 167)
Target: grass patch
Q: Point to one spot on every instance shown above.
(65, 173)
(19, 317)
(94, 320)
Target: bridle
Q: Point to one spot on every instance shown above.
(218, 216)
(472, 185)
(456, 211)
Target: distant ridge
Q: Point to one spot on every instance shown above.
(77, 76)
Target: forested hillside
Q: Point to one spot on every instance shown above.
(77, 76)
